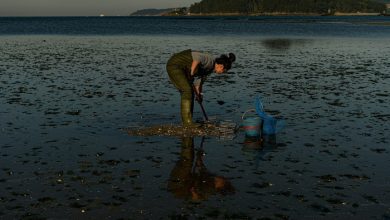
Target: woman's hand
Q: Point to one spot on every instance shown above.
(198, 93)
(199, 97)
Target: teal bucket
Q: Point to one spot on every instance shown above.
(251, 125)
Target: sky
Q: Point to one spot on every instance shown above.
(83, 7)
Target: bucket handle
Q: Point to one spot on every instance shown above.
(249, 110)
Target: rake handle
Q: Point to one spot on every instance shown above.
(200, 104)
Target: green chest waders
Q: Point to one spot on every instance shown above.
(179, 71)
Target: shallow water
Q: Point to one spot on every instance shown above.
(66, 99)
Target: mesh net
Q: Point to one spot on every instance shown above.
(271, 124)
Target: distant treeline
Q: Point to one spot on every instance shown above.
(152, 12)
(286, 6)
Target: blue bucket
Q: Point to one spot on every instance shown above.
(269, 125)
(251, 125)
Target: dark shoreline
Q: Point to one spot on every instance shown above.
(217, 15)
(282, 14)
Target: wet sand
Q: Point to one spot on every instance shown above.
(65, 102)
(208, 129)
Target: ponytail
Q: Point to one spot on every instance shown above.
(232, 57)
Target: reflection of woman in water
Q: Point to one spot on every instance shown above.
(185, 66)
(191, 180)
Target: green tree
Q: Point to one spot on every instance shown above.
(286, 6)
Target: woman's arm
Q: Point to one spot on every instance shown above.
(194, 66)
(197, 85)
(198, 89)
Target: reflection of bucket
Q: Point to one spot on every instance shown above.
(251, 125)
(252, 143)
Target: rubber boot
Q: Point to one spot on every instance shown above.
(186, 113)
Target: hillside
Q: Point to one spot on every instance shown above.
(287, 6)
(152, 12)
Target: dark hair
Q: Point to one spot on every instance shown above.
(226, 61)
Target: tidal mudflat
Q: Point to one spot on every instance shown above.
(65, 101)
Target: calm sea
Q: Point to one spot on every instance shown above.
(372, 26)
(70, 85)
